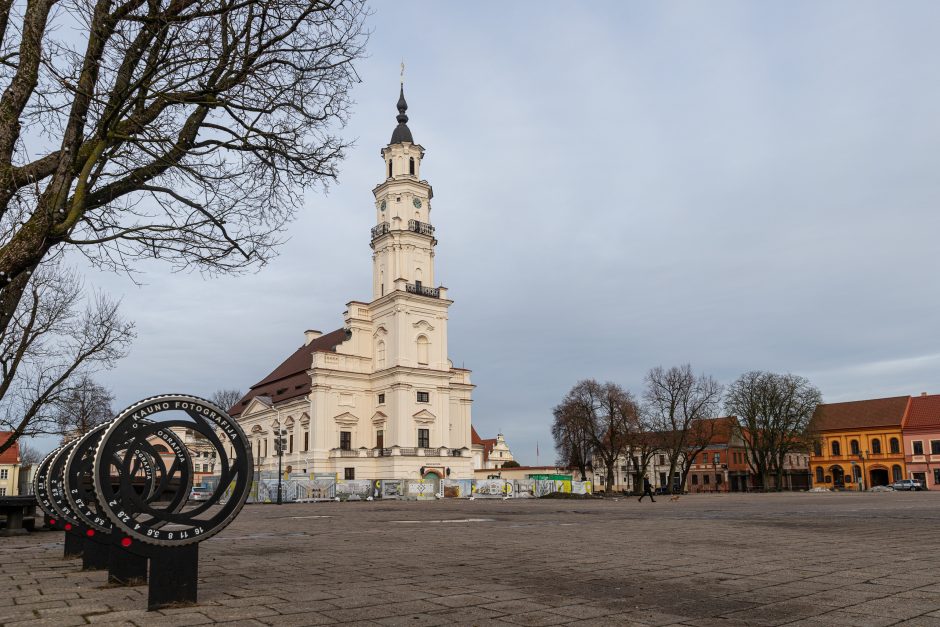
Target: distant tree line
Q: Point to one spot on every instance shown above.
(600, 423)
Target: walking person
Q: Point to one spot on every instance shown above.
(647, 490)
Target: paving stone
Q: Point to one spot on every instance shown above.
(704, 560)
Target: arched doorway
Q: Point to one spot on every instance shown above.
(838, 476)
(879, 476)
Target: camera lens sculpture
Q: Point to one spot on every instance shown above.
(127, 486)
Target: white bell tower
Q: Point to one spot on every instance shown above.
(403, 238)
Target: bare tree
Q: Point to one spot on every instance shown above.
(606, 416)
(181, 130)
(774, 413)
(29, 455)
(55, 338)
(680, 404)
(81, 407)
(643, 443)
(226, 398)
(572, 443)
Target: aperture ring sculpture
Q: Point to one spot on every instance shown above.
(154, 424)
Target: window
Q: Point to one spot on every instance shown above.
(896, 473)
(694, 479)
(662, 479)
(380, 354)
(345, 440)
(819, 475)
(3, 491)
(876, 446)
(854, 446)
(918, 447)
(265, 448)
(717, 479)
(424, 438)
(422, 348)
(817, 449)
(717, 458)
(895, 446)
(411, 166)
(349, 474)
(380, 438)
(936, 476)
(424, 397)
(705, 479)
(389, 168)
(290, 443)
(836, 449)
(306, 440)
(662, 462)
(935, 447)
(4, 473)
(205, 468)
(382, 398)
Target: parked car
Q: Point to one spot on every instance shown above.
(908, 484)
(199, 493)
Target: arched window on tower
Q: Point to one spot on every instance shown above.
(836, 449)
(380, 354)
(389, 168)
(423, 349)
(411, 166)
(876, 446)
(895, 445)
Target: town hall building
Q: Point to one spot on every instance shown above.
(378, 398)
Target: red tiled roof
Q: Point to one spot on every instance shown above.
(877, 412)
(923, 412)
(487, 444)
(12, 454)
(290, 379)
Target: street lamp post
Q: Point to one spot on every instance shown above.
(279, 443)
(862, 456)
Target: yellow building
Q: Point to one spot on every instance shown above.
(859, 443)
(9, 467)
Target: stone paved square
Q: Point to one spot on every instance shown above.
(733, 559)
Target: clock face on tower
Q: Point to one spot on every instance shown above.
(382, 206)
(417, 203)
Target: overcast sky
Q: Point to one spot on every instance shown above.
(736, 185)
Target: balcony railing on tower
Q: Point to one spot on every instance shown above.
(420, 227)
(380, 229)
(417, 288)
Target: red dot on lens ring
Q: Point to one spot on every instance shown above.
(90, 533)
(125, 542)
(52, 521)
(68, 526)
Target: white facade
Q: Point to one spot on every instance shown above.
(379, 399)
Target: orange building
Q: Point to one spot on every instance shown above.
(859, 443)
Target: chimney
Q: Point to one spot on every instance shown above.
(923, 393)
(310, 335)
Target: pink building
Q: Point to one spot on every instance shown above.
(921, 431)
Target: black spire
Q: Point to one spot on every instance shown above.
(402, 133)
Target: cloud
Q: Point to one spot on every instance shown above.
(740, 186)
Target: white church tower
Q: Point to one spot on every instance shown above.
(379, 398)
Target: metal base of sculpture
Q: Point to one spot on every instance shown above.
(173, 576)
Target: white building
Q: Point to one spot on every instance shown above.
(378, 398)
(491, 452)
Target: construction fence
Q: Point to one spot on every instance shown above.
(305, 489)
